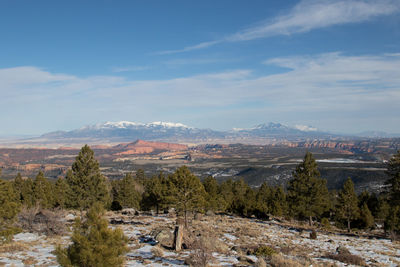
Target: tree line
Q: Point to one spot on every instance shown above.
(306, 196)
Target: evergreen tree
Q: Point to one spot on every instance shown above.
(156, 192)
(366, 218)
(226, 191)
(308, 195)
(9, 208)
(86, 182)
(18, 184)
(393, 171)
(62, 192)
(43, 191)
(244, 198)
(187, 191)
(263, 199)
(278, 205)
(124, 192)
(347, 208)
(215, 201)
(93, 243)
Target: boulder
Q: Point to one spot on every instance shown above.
(165, 237)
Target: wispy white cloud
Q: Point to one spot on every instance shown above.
(129, 68)
(307, 15)
(332, 89)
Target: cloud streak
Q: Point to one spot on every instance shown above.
(306, 16)
(326, 90)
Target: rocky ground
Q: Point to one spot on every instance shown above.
(218, 240)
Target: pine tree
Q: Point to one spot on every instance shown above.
(61, 193)
(43, 191)
(9, 208)
(278, 206)
(366, 218)
(308, 195)
(93, 243)
(347, 208)
(187, 191)
(156, 192)
(226, 191)
(215, 201)
(393, 171)
(124, 192)
(244, 198)
(86, 182)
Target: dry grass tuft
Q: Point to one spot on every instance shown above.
(13, 247)
(157, 251)
(278, 260)
(347, 258)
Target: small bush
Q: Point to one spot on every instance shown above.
(325, 223)
(44, 221)
(344, 255)
(93, 243)
(265, 251)
(278, 260)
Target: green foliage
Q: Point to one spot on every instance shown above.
(24, 190)
(43, 191)
(366, 218)
(87, 184)
(227, 194)
(392, 223)
(186, 191)
(325, 223)
(265, 251)
(271, 200)
(308, 195)
(393, 171)
(156, 192)
(62, 192)
(9, 208)
(214, 199)
(244, 198)
(93, 243)
(124, 192)
(347, 204)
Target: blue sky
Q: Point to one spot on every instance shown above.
(334, 65)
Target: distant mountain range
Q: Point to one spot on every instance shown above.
(126, 131)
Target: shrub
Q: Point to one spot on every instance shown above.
(325, 223)
(264, 251)
(93, 243)
(344, 255)
(202, 254)
(38, 220)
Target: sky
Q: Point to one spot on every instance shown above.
(333, 65)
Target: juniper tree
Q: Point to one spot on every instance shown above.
(308, 195)
(124, 192)
(24, 190)
(393, 172)
(94, 244)
(187, 192)
(225, 189)
(9, 208)
(62, 192)
(215, 201)
(347, 204)
(392, 222)
(156, 193)
(43, 191)
(86, 182)
(244, 198)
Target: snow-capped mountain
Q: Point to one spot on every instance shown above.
(124, 131)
